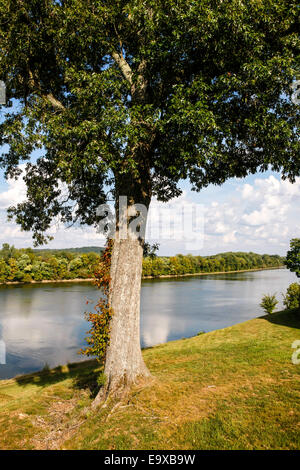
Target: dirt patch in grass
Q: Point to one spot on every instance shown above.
(57, 425)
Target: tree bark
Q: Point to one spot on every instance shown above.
(124, 364)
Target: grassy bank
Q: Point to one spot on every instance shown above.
(235, 388)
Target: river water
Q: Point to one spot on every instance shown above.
(44, 323)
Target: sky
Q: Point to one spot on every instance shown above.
(259, 213)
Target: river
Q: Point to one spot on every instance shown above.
(44, 323)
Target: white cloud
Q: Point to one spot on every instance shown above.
(15, 192)
(264, 218)
(230, 237)
(247, 191)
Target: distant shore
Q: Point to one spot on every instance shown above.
(213, 273)
(54, 281)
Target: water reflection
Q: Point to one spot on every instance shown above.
(44, 324)
(192, 304)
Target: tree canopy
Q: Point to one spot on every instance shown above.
(293, 256)
(131, 97)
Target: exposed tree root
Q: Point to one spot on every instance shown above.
(120, 390)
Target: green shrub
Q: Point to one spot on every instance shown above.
(292, 297)
(101, 379)
(268, 303)
(200, 333)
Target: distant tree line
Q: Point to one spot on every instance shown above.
(189, 264)
(26, 264)
(78, 250)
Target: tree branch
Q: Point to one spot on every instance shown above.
(124, 67)
(54, 101)
(47, 96)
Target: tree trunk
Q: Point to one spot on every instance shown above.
(124, 363)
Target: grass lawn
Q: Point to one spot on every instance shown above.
(235, 388)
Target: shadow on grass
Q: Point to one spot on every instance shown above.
(83, 375)
(289, 318)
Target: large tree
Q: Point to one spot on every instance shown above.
(133, 96)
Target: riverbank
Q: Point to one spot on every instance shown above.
(212, 273)
(234, 388)
(46, 281)
(53, 281)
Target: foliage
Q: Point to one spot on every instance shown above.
(26, 265)
(100, 329)
(293, 256)
(180, 264)
(269, 303)
(150, 250)
(134, 96)
(292, 297)
(101, 379)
